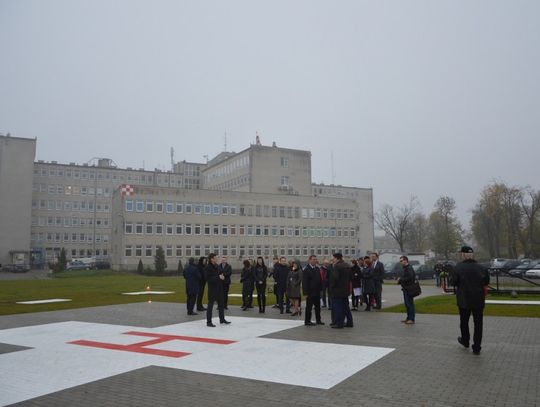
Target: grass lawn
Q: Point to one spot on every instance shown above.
(446, 304)
(92, 288)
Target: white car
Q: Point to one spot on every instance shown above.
(534, 272)
(498, 262)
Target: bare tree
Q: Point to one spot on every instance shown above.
(396, 222)
(445, 229)
(417, 233)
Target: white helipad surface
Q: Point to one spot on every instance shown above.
(68, 354)
(44, 301)
(149, 292)
(513, 302)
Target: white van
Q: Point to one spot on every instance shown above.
(498, 262)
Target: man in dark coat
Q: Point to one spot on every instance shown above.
(214, 279)
(281, 273)
(339, 287)
(312, 282)
(192, 276)
(471, 281)
(226, 270)
(378, 277)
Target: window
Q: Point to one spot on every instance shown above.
(216, 209)
(207, 209)
(138, 251)
(128, 251)
(224, 230)
(188, 229)
(149, 206)
(284, 181)
(197, 229)
(148, 251)
(128, 228)
(188, 208)
(149, 228)
(188, 251)
(215, 230)
(179, 229)
(168, 251)
(232, 230)
(159, 206)
(179, 207)
(207, 229)
(169, 229)
(169, 208)
(139, 206)
(139, 228)
(284, 162)
(159, 228)
(129, 205)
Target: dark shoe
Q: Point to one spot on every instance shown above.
(476, 351)
(210, 325)
(244, 309)
(336, 326)
(403, 320)
(294, 314)
(275, 306)
(409, 322)
(192, 313)
(201, 309)
(349, 326)
(288, 312)
(323, 306)
(320, 323)
(226, 308)
(309, 323)
(461, 342)
(225, 322)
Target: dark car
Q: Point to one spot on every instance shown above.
(425, 272)
(78, 265)
(395, 270)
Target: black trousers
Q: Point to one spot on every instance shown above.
(215, 296)
(200, 295)
(378, 293)
(226, 294)
(191, 298)
(478, 316)
(261, 296)
(313, 301)
(247, 298)
(280, 297)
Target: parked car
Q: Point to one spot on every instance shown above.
(395, 270)
(425, 272)
(78, 265)
(534, 272)
(16, 268)
(520, 270)
(102, 265)
(498, 262)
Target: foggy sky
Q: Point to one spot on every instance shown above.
(424, 98)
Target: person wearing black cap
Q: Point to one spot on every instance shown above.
(470, 280)
(339, 286)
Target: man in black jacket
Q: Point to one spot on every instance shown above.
(471, 281)
(339, 287)
(312, 281)
(214, 279)
(378, 277)
(281, 273)
(226, 270)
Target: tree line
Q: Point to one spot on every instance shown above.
(505, 223)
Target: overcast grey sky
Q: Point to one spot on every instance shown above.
(413, 97)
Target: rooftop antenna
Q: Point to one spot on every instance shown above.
(225, 141)
(206, 156)
(257, 138)
(172, 158)
(143, 164)
(332, 166)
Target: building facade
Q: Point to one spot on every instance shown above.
(257, 202)
(239, 225)
(16, 168)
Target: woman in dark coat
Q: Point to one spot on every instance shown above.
(247, 278)
(192, 276)
(261, 274)
(356, 280)
(294, 281)
(368, 284)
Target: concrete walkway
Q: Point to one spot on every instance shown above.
(424, 367)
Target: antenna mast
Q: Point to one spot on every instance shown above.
(225, 142)
(172, 159)
(332, 165)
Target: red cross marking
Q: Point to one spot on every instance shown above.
(142, 347)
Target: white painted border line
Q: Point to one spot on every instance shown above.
(149, 292)
(513, 302)
(44, 301)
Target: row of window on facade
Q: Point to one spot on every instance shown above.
(67, 222)
(159, 228)
(334, 192)
(168, 179)
(54, 252)
(83, 206)
(69, 237)
(227, 169)
(234, 251)
(232, 183)
(72, 190)
(234, 209)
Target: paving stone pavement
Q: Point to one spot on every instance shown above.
(427, 368)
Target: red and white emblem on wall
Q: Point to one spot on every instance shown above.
(126, 190)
